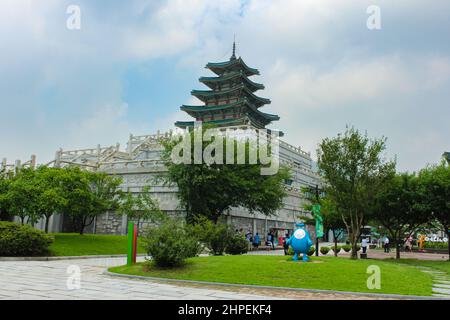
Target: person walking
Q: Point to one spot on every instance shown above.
(408, 244)
(386, 245)
(256, 241)
(248, 236)
(285, 245)
(364, 243)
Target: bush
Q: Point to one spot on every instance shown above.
(358, 247)
(215, 236)
(337, 249)
(324, 250)
(347, 248)
(237, 244)
(436, 245)
(21, 241)
(170, 244)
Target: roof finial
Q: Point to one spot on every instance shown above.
(233, 56)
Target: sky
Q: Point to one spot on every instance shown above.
(132, 64)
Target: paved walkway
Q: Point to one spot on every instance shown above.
(47, 280)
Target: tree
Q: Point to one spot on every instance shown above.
(352, 166)
(4, 187)
(435, 183)
(141, 207)
(332, 220)
(21, 196)
(399, 208)
(49, 197)
(211, 189)
(89, 194)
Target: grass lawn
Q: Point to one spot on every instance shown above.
(70, 244)
(438, 265)
(327, 273)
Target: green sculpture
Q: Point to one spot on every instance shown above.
(319, 220)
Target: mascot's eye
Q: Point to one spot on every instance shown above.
(299, 234)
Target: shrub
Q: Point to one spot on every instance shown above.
(20, 241)
(358, 247)
(170, 244)
(436, 245)
(337, 249)
(237, 244)
(215, 236)
(324, 250)
(347, 248)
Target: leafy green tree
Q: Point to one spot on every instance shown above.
(4, 187)
(21, 196)
(354, 172)
(400, 209)
(210, 190)
(49, 197)
(332, 220)
(142, 207)
(89, 194)
(435, 183)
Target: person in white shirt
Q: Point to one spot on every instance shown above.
(386, 245)
(364, 243)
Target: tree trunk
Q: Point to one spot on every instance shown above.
(47, 220)
(335, 243)
(448, 241)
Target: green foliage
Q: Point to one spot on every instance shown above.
(400, 208)
(347, 248)
(142, 207)
(215, 236)
(337, 249)
(89, 194)
(436, 245)
(324, 250)
(237, 244)
(22, 240)
(170, 244)
(435, 184)
(354, 171)
(210, 190)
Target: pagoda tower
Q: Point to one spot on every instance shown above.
(231, 100)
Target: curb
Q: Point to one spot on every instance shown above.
(65, 258)
(375, 295)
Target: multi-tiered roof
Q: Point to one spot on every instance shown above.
(232, 99)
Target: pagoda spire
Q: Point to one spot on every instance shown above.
(233, 56)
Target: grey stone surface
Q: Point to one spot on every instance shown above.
(46, 280)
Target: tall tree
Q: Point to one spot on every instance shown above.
(21, 196)
(211, 189)
(435, 182)
(89, 194)
(400, 209)
(49, 197)
(352, 166)
(4, 187)
(142, 207)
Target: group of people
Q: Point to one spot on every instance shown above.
(255, 240)
(408, 245)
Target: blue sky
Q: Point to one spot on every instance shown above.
(133, 63)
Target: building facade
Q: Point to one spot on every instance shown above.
(231, 104)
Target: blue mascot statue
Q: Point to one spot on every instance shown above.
(300, 242)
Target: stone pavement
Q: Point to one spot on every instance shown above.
(48, 280)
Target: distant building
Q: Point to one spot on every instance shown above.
(231, 103)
